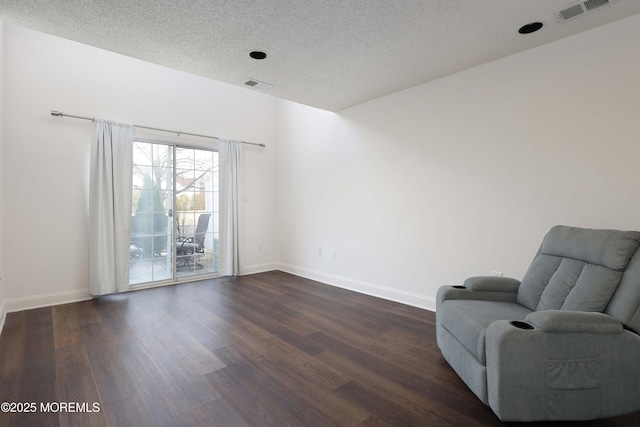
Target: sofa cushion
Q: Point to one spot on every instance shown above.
(467, 321)
(625, 303)
(535, 280)
(593, 289)
(577, 269)
(608, 248)
(560, 284)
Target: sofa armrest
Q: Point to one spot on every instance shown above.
(492, 284)
(485, 288)
(463, 293)
(559, 321)
(540, 373)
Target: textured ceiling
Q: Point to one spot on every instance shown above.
(329, 54)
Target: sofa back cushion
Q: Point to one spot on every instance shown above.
(625, 303)
(577, 269)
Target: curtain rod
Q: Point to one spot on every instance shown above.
(177, 132)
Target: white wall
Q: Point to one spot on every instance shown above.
(46, 158)
(2, 241)
(464, 175)
(425, 187)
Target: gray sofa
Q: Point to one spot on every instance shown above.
(562, 344)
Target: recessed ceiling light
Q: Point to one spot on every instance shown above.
(530, 28)
(257, 54)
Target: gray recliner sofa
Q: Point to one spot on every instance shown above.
(563, 343)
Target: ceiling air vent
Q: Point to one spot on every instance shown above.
(580, 8)
(258, 84)
(594, 4)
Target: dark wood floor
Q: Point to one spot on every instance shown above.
(269, 349)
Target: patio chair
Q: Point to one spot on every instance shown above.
(190, 248)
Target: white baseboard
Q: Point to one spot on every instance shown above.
(372, 289)
(3, 315)
(260, 268)
(46, 300)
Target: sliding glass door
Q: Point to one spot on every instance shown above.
(174, 222)
(196, 211)
(151, 244)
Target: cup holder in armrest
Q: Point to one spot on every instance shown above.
(520, 325)
(459, 287)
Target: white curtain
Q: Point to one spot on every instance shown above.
(110, 207)
(231, 200)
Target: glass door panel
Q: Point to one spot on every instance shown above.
(151, 247)
(175, 212)
(196, 205)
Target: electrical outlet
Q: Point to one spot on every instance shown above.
(260, 246)
(496, 273)
(334, 253)
(319, 251)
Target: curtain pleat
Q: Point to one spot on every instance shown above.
(110, 207)
(231, 200)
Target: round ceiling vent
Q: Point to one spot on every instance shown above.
(257, 54)
(530, 28)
